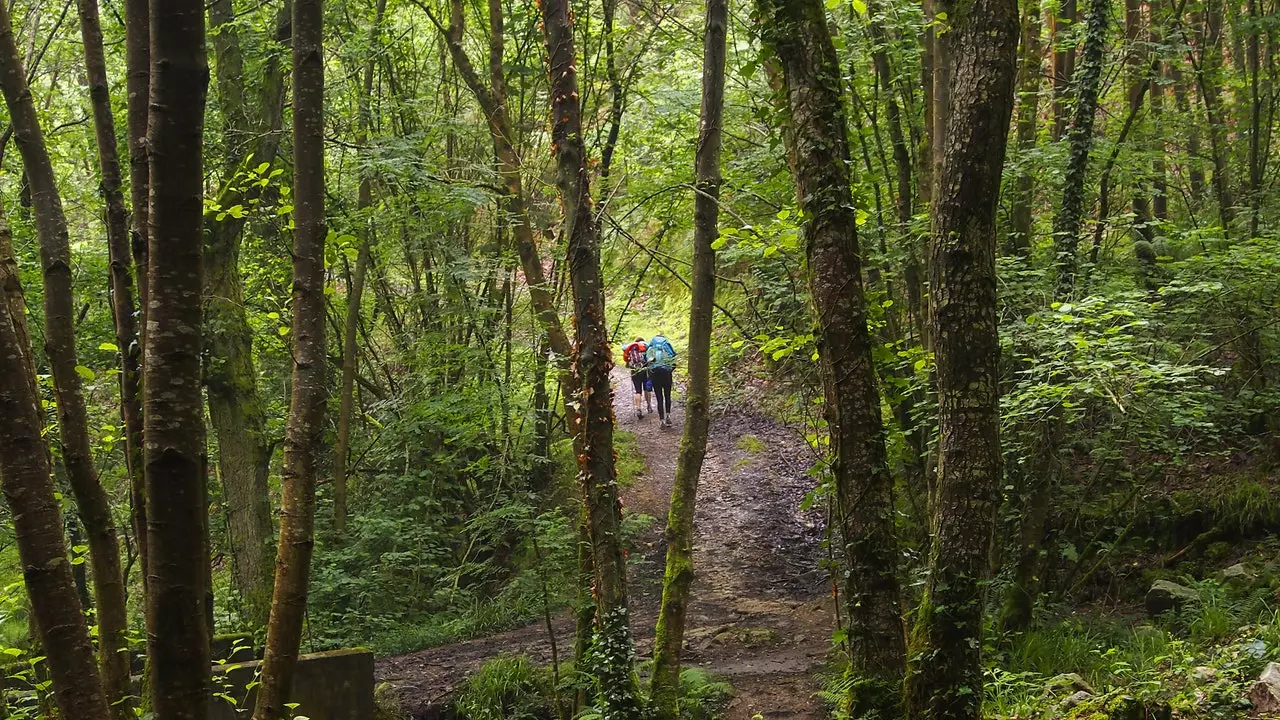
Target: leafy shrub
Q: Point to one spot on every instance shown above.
(506, 688)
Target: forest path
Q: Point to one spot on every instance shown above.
(760, 615)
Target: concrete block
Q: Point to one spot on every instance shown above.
(334, 685)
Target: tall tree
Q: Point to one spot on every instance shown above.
(944, 681)
(796, 31)
(309, 391)
(251, 132)
(28, 489)
(137, 28)
(173, 428)
(1062, 32)
(364, 202)
(1031, 68)
(1068, 220)
(1137, 63)
(613, 649)
(669, 635)
(60, 347)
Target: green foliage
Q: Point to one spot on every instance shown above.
(506, 688)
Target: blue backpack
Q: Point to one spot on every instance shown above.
(660, 353)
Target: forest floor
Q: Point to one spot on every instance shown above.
(761, 614)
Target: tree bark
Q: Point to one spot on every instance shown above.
(797, 32)
(1208, 69)
(613, 649)
(60, 347)
(236, 408)
(37, 521)
(1137, 65)
(137, 28)
(1159, 170)
(1069, 219)
(1064, 64)
(1028, 106)
(669, 634)
(355, 293)
(307, 402)
(174, 436)
(944, 681)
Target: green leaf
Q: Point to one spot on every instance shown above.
(85, 373)
(718, 243)
(860, 6)
(262, 168)
(282, 330)
(784, 213)
(109, 347)
(771, 251)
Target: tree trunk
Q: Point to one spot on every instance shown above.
(1256, 157)
(1159, 171)
(60, 347)
(1207, 76)
(1028, 106)
(236, 409)
(1195, 173)
(137, 27)
(1137, 64)
(1064, 64)
(128, 343)
(307, 402)
(1070, 217)
(37, 521)
(797, 32)
(355, 293)
(944, 681)
(669, 634)
(613, 649)
(178, 634)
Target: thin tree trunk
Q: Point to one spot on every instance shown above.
(178, 634)
(1028, 106)
(1195, 174)
(613, 644)
(1253, 60)
(364, 201)
(797, 32)
(1070, 217)
(37, 521)
(137, 28)
(60, 347)
(669, 635)
(112, 614)
(944, 681)
(1159, 171)
(307, 403)
(1064, 64)
(1208, 70)
(1135, 88)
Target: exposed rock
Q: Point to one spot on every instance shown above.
(1066, 685)
(1165, 595)
(1075, 699)
(1237, 574)
(1265, 693)
(1202, 674)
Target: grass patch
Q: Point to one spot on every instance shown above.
(750, 444)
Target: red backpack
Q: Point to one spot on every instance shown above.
(633, 354)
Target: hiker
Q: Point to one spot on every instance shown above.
(634, 355)
(661, 359)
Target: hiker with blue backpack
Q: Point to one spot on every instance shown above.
(661, 359)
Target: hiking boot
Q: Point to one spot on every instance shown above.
(639, 415)
(667, 422)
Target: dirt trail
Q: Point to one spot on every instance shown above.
(760, 616)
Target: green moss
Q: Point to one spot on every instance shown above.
(751, 444)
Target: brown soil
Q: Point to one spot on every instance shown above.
(761, 615)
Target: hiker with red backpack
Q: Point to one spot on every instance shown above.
(634, 355)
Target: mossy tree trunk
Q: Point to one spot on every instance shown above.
(797, 32)
(944, 680)
(173, 431)
(309, 391)
(669, 635)
(92, 503)
(1069, 219)
(137, 30)
(251, 136)
(613, 652)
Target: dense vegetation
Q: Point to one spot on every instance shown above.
(311, 309)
